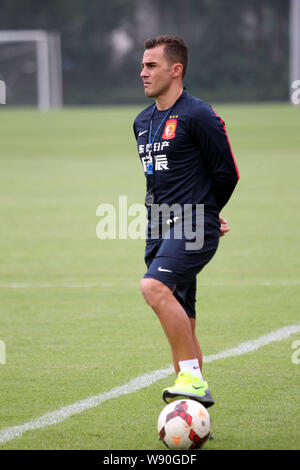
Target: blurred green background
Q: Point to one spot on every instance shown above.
(239, 51)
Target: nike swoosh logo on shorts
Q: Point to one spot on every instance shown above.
(165, 270)
(143, 132)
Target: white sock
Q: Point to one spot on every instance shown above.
(192, 365)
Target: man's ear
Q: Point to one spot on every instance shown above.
(177, 70)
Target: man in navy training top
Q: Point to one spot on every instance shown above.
(187, 160)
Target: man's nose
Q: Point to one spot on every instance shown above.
(144, 73)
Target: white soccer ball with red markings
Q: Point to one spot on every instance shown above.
(184, 424)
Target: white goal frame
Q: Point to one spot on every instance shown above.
(294, 43)
(49, 68)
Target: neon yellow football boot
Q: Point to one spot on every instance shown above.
(188, 385)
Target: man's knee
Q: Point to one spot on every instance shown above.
(153, 291)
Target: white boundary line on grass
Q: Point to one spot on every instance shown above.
(138, 383)
(51, 285)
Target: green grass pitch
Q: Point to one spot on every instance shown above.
(71, 314)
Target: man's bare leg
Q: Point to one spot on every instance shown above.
(196, 348)
(180, 331)
(172, 316)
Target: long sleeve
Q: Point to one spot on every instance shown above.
(209, 134)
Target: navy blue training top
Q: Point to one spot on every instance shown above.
(192, 154)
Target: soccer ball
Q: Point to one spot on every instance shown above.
(184, 424)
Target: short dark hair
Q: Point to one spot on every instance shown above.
(175, 49)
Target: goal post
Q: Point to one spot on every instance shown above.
(294, 44)
(48, 60)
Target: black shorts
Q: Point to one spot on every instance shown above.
(170, 262)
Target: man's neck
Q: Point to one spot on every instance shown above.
(164, 102)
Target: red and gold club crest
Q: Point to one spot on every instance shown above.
(170, 129)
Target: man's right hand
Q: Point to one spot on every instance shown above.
(223, 229)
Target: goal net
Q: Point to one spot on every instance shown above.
(30, 68)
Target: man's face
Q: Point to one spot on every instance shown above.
(157, 72)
